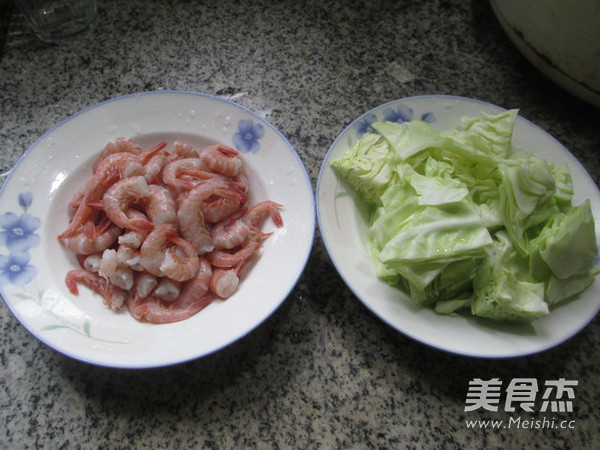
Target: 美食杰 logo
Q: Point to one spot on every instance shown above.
(522, 395)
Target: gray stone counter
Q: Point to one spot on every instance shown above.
(322, 371)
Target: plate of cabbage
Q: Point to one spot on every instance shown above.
(462, 225)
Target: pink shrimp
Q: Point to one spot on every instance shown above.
(259, 212)
(114, 297)
(152, 310)
(184, 150)
(167, 290)
(221, 159)
(112, 168)
(153, 167)
(217, 209)
(194, 297)
(191, 219)
(80, 244)
(224, 282)
(120, 144)
(152, 251)
(245, 225)
(174, 173)
(144, 284)
(118, 166)
(232, 232)
(121, 196)
(226, 259)
(180, 267)
(112, 269)
(161, 207)
(134, 238)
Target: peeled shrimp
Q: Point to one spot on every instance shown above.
(194, 297)
(123, 194)
(119, 145)
(112, 270)
(184, 150)
(161, 206)
(224, 282)
(191, 219)
(134, 238)
(245, 225)
(153, 167)
(80, 244)
(175, 173)
(144, 284)
(152, 310)
(145, 225)
(227, 260)
(180, 267)
(152, 251)
(118, 166)
(114, 297)
(221, 159)
(167, 290)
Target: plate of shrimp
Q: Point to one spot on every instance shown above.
(153, 229)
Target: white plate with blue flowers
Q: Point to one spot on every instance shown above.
(34, 201)
(343, 226)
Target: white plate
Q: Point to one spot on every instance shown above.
(45, 178)
(560, 37)
(344, 230)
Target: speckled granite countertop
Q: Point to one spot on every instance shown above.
(322, 371)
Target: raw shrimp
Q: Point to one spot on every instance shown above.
(121, 195)
(194, 297)
(153, 167)
(245, 225)
(232, 232)
(167, 290)
(114, 297)
(144, 284)
(120, 144)
(118, 166)
(161, 207)
(128, 256)
(152, 251)
(80, 244)
(221, 159)
(224, 282)
(92, 262)
(159, 258)
(175, 173)
(134, 238)
(180, 267)
(227, 260)
(259, 212)
(184, 150)
(220, 208)
(190, 218)
(143, 228)
(152, 310)
(112, 270)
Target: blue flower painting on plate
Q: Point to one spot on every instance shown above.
(17, 234)
(247, 137)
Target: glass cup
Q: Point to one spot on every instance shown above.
(57, 20)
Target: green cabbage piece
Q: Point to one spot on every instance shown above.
(364, 167)
(564, 252)
(503, 286)
(465, 223)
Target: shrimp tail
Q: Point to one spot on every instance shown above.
(146, 155)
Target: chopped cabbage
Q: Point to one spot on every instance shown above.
(463, 222)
